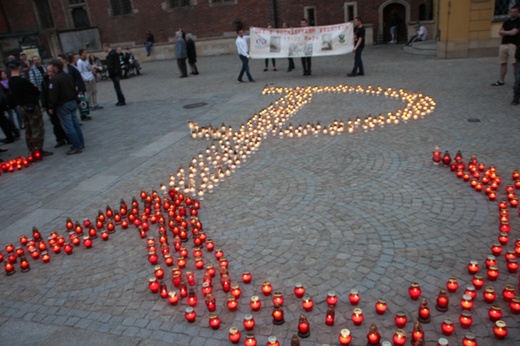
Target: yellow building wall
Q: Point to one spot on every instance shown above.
(466, 28)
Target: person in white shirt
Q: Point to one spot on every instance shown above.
(243, 53)
(420, 35)
(88, 77)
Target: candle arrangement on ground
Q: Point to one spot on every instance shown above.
(19, 163)
(191, 273)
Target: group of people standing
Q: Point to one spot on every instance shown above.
(242, 44)
(185, 50)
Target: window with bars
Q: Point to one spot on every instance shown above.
(44, 14)
(178, 3)
(222, 2)
(121, 7)
(502, 7)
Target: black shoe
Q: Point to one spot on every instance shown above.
(360, 74)
(16, 134)
(47, 153)
(351, 75)
(61, 143)
(121, 104)
(7, 141)
(514, 103)
(184, 76)
(240, 80)
(3, 150)
(86, 117)
(252, 81)
(74, 151)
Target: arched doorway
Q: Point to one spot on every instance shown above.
(386, 12)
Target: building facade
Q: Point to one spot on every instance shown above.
(55, 26)
(50, 27)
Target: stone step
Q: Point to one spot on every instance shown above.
(422, 48)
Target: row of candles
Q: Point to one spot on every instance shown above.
(307, 303)
(20, 162)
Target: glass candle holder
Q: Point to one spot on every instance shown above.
(447, 327)
(304, 330)
(452, 285)
(267, 289)
(500, 330)
(414, 291)
(442, 301)
(399, 337)
(307, 303)
(299, 290)
(400, 319)
(381, 307)
(278, 315)
(332, 299)
(345, 338)
(255, 303)
(357, 316)
(469, 340)
(234, 335)
(354, 297)
(190, 315)
(249, 322)
(465, 319)
(330, 316)
(478, 281)
(373, 336)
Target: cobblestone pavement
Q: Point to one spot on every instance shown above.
(366, 211)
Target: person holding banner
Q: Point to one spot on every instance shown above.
(291, 61)
(306, 60)
(243, 53)
(359, 44)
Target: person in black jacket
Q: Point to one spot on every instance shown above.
(79, 84)
(62, 100)
(192, 54)
(61, 136)
(114, 72)
(8, 128)
(27, 96)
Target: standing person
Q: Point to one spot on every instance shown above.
(62, 100)
(192, 54)
(10, 131)
(306, 60)
(181, 54)
(114, 72)
(36, 72)
(148, 42)
(273, 60)
(508, 45)
(79, 84)
(85, 69)
(243, 53)
(359, 44)
(57, 129)
(395, 20)
(26, 65)
(516, 89)
(26, 95)
(12, 108)
(291, 60)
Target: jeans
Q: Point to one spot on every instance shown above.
(11, 112)
(70, 123)
(148, 45)
(516, 96)
(117, 88)
(358, 63)
(245, 68)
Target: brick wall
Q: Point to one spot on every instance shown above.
(201, 19)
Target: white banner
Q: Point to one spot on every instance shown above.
(298, 42)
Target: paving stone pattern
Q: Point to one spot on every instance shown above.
(367, 210)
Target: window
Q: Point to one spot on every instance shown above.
(78, 14)
(426, 11)
(350, 11)
(178, 3)
(222, 2)
(120, 7)
(44, 14)
(502, 8)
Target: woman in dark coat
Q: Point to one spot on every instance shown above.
(192, 54)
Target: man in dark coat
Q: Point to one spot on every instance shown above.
(27, 96)
(114, 72)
